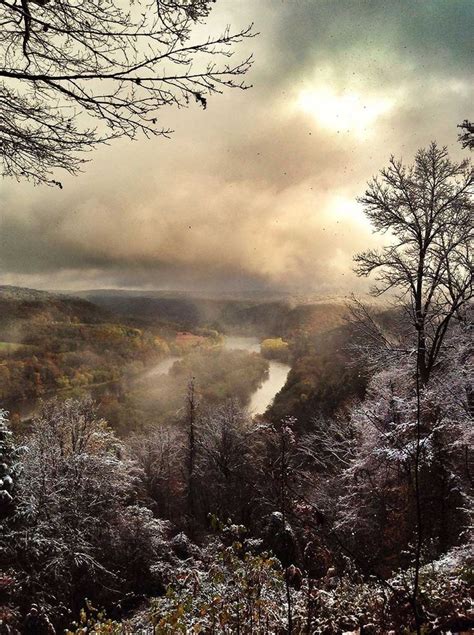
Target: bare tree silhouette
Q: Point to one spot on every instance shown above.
(427, 210)
(74, 74)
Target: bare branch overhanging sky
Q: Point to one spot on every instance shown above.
(259, 190)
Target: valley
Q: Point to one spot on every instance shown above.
(236, 301)
(135, 354)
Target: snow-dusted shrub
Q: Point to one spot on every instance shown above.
(75, 532)
(8, 466)
(234, 591)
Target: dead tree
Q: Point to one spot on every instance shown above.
(191, 406)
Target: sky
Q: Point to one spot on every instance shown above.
(259, 190)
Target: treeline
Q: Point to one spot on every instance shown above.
(266, 317)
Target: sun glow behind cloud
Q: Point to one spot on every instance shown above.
(348, 211)
(348, 111)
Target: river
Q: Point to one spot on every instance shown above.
(263, 396)
(277, 373)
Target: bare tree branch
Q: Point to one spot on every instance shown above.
(74, 75)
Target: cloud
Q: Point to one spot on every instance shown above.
(259, 189)
(381, 40)
(211, 232)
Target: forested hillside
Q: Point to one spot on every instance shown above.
(50, 342)
(62, 345)
(263, 316)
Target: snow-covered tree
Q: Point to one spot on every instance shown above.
(160, 455)
(73, 499)
(8, 466)
(229, 452)
(376, 512)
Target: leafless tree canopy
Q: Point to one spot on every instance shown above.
(427, 208)
(75, 73)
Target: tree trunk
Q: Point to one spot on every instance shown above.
(191, 453)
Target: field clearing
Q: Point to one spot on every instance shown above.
(7, 348)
